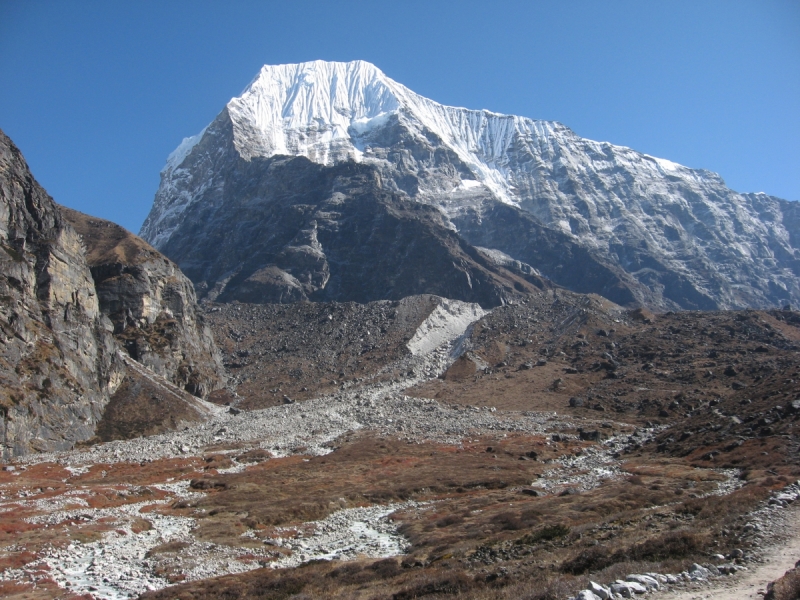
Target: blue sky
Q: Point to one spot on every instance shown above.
(97, 94)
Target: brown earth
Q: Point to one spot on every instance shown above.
(486, 531)
(486, 538)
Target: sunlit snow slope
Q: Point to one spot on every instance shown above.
(675, 237)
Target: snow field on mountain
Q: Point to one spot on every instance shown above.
(447, 321)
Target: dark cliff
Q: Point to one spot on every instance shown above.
(57, 359)
(100, 333)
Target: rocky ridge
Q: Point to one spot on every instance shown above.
(286, 230)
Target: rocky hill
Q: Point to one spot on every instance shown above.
(288, 230)
(382, 180)
(79, 308)
(151, 304)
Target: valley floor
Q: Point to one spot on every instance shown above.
(522, 454)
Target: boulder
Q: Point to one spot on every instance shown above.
(600, 591)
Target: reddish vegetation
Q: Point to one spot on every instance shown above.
(484, 534)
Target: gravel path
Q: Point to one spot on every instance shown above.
(780, 532)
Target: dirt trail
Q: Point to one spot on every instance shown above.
(752, 584)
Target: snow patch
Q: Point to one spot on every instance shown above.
(361, 126)
(467, 184)
(447, 322)
(666, 165)
(178, 155)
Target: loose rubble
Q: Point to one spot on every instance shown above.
(765, 526)
(119, 565)
(515, 463)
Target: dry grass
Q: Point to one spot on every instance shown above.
(480, 537)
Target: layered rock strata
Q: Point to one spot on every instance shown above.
(57, 357)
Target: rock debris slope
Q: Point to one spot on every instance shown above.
(588, 215)
(281, 353)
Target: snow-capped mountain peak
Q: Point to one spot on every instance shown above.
(681, 237)
(307, 109)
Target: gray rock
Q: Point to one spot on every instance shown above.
(57, 356)
(600, 591)
(604, 221)
(698, 572)
(590, 436)
(622, 589)
(633, 586)
(334, 233)
(645, 580)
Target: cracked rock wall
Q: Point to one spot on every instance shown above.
(57, 365)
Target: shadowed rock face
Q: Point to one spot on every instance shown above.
(71, 301)
(589, 216)
(286, 229)
(151, 304)
(57, 357)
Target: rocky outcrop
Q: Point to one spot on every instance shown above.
(90, 319)
(57, 356)
(151, 304)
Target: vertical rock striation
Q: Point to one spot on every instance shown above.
(71, 303)
(57, 357)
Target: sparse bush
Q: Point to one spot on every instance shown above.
(671, 545)
(450, 520)
(386, 568)
(451, 583)
(674, 544)
(550, 532)
(508, 521)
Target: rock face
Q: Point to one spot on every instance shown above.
(57, 359)
(151, 304)
(590, 216)
(287, 229)
(73, 304)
